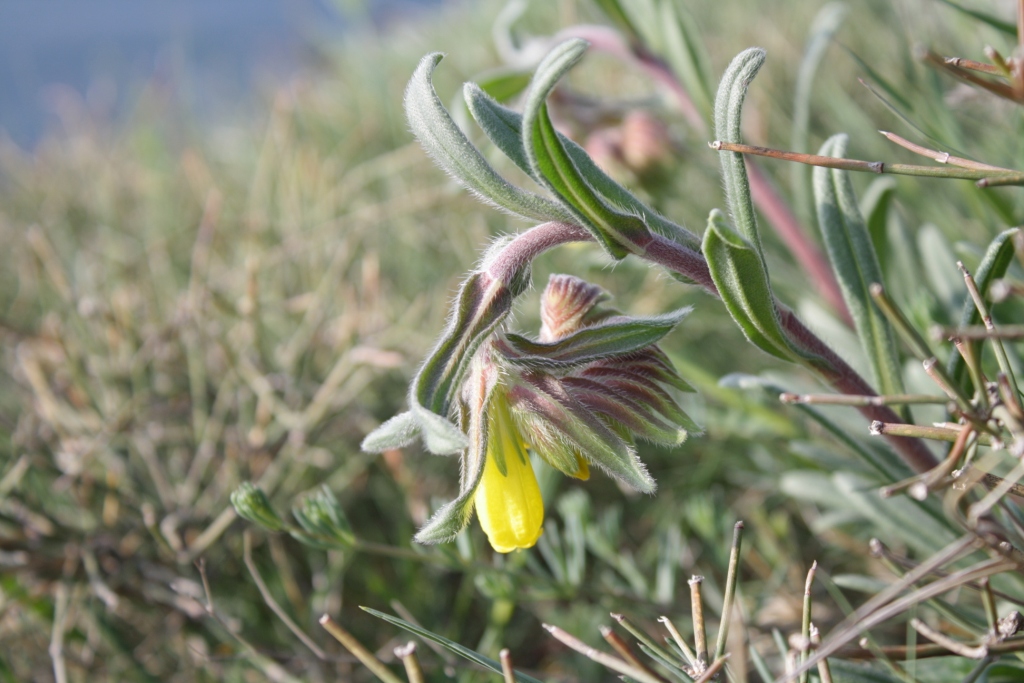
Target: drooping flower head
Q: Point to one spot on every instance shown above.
(579, 395)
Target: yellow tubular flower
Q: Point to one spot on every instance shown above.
(509, 505)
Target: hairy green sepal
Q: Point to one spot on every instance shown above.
(612, 337)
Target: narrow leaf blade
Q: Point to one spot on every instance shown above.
(856, 266)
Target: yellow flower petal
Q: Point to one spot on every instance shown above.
(509, 505)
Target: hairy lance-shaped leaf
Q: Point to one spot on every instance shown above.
(620, 232)
(482, 304)
(453, 517)
(452, 151)
(993, 266)
(732, 90)
(560, 427)
(612, 337)
(855, 265)
(742, 282)
(504, 128)
(635, 418)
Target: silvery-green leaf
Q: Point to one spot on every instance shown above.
(504, 127)
(855, 265)
(742, 281)
(619, 232)
(482, 303)
(875, 207)
(687, 55)
(732, 90)
(449, 147)
(453, 517)
(613, 337)
(399, 431)
(823, 28)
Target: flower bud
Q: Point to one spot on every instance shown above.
(252, 504)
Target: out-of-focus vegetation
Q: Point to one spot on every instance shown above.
(184, 311)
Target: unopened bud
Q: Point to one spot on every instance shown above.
(322, 518)
(252, 504)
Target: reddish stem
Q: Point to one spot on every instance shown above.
(526, 246)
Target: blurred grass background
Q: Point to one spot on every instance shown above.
(185, 309)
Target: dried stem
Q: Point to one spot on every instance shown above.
(60, 618)
(700, 638)
(507, 671)
(942, 157)
(902, 652)
(730, 588)
(639, 634)
(712, 670)
(356, 648)
(677, 637)
(271, 602)
(986, 319)
(975, 66)
(805, 623)
(922, 432)
(878, 167)
(945, 641)
(413, 670)
(622, 648)
(852, 400)
(602, 658)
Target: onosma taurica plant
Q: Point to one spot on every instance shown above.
(930, 477)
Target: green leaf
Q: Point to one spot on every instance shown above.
(453, 517)
(612, 337)
(995, 22)
(450, 645)
(482, 304)
(686, 54)
(452, 150)
(503, 83)
(824, 27)
(619, 232)
(994, 264)
(732, 90)
(856, 266)
(875, 208)
(615, 12)
(742, 282)
(504, 128)
(399, 431)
